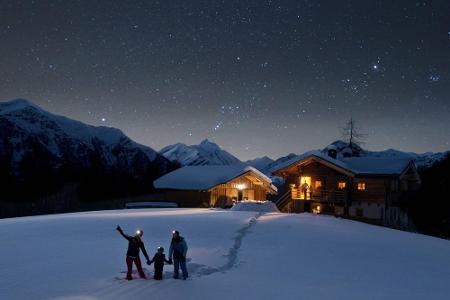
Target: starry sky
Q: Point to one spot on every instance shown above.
(257, 77)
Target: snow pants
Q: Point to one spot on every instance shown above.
(158, 272)
(177, 263)
(137, 262)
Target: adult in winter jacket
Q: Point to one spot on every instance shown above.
(177, 251)
(159, 260)
(135, 244)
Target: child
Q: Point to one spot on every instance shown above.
(159, 260)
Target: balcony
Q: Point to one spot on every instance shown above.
(322, 195)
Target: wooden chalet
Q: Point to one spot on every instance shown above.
(216, 186)
(360, 187)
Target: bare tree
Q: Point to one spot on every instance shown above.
(352, 134)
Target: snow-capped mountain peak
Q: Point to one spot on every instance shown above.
(28, 129)
(260, 163)
(205, 153)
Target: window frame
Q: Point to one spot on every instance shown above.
(343, 183)
(361, 186)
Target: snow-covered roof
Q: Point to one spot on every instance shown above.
(205, 177)
(357, 165)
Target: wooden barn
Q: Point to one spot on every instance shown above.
(360, 187)
(217, 186)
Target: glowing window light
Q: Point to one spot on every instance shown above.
(240, 186)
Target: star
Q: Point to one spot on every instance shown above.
(434, 78)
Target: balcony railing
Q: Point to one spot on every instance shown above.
(319, 195)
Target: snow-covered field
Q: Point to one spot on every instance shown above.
(234, 255)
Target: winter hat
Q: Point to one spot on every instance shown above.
(160, 249)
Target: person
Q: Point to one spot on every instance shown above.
(305, 188)
(159, 260)
(135, 244)
(178, 250)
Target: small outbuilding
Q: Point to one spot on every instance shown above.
(217, 186)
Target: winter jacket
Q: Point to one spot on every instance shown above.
(178, 248)
(159, 260)
(134, 245)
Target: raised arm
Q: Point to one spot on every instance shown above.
(127, 237)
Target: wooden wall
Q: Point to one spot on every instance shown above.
(223, 195)
(186, 198)
(375, 191)
(376, 188)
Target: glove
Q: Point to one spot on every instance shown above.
(170, 261)
(118, 228)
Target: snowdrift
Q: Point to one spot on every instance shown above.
(257, 206)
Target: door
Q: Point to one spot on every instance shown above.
(249, 195)
(305, 187)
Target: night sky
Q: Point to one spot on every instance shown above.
(257, 77)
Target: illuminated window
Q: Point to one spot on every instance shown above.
(361, 186)
(341, 185)
(318, 184)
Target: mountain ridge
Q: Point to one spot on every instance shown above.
(35, 143)
(205, 153)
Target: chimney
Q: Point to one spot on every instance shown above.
(332, 153)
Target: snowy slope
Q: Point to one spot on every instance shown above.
(232, 255)
(285, 160)
(40, 148)
(261, 163)
(205, 153)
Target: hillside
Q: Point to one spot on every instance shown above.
(41, 151)
(239, 255)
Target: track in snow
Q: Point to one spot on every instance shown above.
(232, 255)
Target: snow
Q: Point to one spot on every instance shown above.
(206, 153)
(232, 255)
(151, 204)
(258, 206)
(260, 163)
(204, 177)
(389, 156)
(358, 165)
(57, 132)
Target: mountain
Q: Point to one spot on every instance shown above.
(423, 160)
(39, 150)
(342, 148)
(260, 163)
(205, 153)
